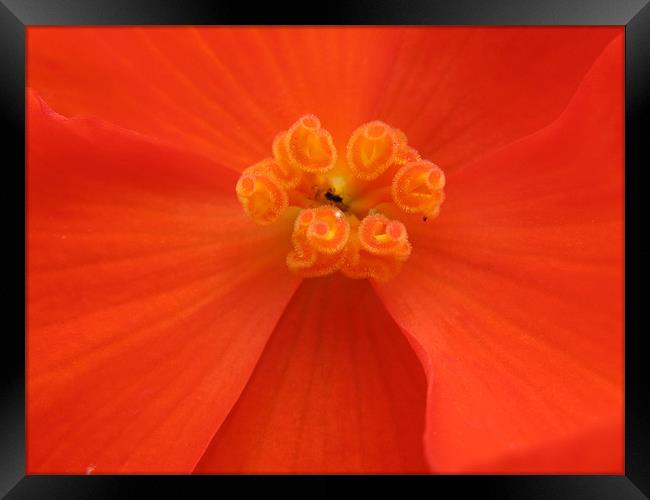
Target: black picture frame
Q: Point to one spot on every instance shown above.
(16, 15)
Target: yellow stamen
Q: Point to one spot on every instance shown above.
(261, 196)
(287, 174)
(372, 149)
(319, 238)
(361, 264)
(310, 147)
(340, 226)
(381, 236)
(417, 188)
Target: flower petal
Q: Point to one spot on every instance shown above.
(226, 92)
(150, 298)
(515, 296)
(338, 389)
(460, 92)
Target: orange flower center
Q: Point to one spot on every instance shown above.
(342, 224)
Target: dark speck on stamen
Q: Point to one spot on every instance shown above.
(333, 197)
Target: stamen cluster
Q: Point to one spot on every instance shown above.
(341, 225)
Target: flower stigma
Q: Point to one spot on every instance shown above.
(343, 200)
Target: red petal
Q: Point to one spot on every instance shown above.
(459, 92)
(338, 389)
(150, 298)
(515, 295)
(226, 92)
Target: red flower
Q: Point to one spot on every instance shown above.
(166, 333)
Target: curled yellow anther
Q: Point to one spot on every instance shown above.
(319, 238)
(328, 231)
(361, 264)
(406, 154)
(285, 172)
(418, 188)
(381, 236)
(262, 198)
(309, 147)
(373, 148)
(340, 224)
